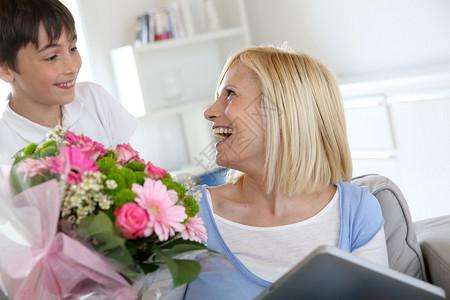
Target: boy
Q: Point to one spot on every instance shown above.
(40, 61)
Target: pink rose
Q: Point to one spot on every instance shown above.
(87, 146)
(154, 172)
(126, 153)
(132, 219)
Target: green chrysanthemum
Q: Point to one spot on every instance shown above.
(136, 166)
(128, 175)
(173, 185)
(124, 196)
(48, 144)
(107, 165)
(140, 177)
(48, 151)
(29, 150)
(191, 205)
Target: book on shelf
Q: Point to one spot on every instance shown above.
(141, 30)
(161, 23)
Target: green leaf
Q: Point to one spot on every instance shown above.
(179, 246)
(182, 270)
(187, 271)
(101, 228)
(100, 231)
(148, 267)
(16, 179)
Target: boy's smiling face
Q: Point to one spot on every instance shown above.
(45, 77)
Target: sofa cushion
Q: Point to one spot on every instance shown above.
(404, 252)
(434, 238)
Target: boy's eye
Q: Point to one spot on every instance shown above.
(51, 58)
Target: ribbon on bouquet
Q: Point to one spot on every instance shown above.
(38, 262)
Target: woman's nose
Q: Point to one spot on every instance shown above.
(213, 111)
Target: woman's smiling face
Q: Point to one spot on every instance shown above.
(237, 119)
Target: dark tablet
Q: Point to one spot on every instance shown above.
(331, 273)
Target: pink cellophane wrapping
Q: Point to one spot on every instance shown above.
(37, 262)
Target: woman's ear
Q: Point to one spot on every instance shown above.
(6, 74)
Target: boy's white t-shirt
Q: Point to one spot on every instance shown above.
(93, 112)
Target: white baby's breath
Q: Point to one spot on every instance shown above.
(76, 201)
(105, 203)
(57, 134)
(91, 207)
(83, 211)
(197, 195)
(111, 184)
(65, 211)
(98, 197)
(189, 182)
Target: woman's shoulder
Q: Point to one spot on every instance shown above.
(350, 189)
(225, 198)
(223, 192)
(361, 214)
(357, 197)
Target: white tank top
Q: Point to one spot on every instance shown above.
(269, 252)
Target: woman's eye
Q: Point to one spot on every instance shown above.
(230, 93)
(73, 49)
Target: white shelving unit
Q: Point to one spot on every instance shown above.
(168, 85)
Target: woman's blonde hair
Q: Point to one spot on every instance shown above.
(302, 109)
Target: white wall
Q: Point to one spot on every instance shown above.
(108, 24)
(417, 156)
(356, 37)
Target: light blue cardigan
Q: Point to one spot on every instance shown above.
(361, 219)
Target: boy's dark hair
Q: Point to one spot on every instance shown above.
(20, 21)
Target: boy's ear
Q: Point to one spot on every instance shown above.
(6, 73)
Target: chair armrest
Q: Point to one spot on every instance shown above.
(434, 239)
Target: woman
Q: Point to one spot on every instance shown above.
(280, 118)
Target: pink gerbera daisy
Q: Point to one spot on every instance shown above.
(164, 216)
(73, 163)
(194, 230)
(31, 166)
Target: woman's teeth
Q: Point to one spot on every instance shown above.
(222, 132)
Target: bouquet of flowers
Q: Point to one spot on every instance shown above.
(97, 221)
